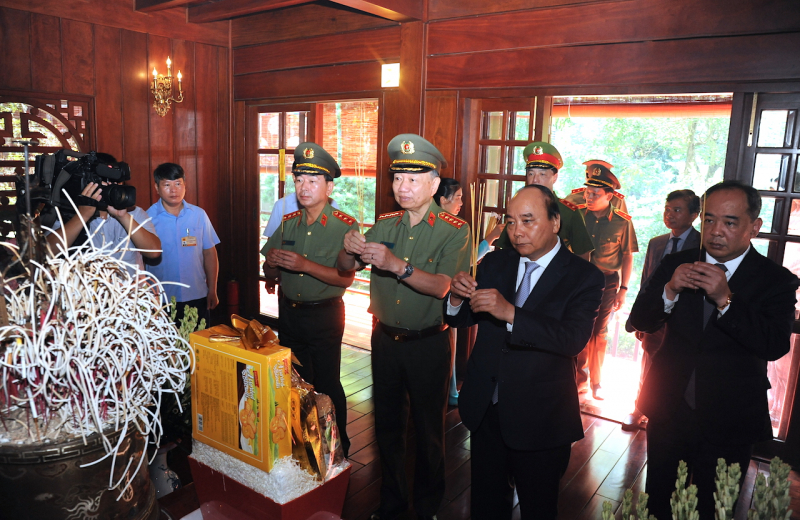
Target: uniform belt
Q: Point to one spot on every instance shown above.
(319, 304)
(410, 335)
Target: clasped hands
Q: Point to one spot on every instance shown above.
(703, 276)
(464, 287)
(373, 253)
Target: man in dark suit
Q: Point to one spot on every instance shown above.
(535, 306)
(728, 311)
(680, 210)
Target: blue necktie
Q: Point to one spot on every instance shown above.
(523, 292)
(524, 289)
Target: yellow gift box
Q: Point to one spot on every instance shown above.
(241, 393)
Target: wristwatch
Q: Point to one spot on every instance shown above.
(409, 270)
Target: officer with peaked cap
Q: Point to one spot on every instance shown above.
(542, 162)
(301, 255)
(615, 242)
(414, 253)
(576, 197)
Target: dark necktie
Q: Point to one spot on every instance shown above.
(523, 291)
(675, 241)
(708, 312)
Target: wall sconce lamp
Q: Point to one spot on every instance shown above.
(162, 90)
(390, 75)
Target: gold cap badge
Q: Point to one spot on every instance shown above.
(407, 147)
(538, 150)
(596, 172)
(308, 153)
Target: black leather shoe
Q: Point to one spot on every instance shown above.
(633, 421)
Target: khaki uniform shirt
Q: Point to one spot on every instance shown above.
(320, 242)
(613, 235)
(438, 244)
(576, 197)
(573, 231)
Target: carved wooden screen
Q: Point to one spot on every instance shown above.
(55, 123)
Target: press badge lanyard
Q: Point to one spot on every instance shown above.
(188, 241)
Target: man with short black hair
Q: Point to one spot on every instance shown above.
(189, 243)
(680, 210)
(728, 311)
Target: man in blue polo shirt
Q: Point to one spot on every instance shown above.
(188, 242)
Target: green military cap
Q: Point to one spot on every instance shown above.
(411, 153)
(600, 176)
(542, 155)
(312, 159)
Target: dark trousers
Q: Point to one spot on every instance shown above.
(315, 337)
(411, 375)
(590, 360)
(679, 438)
(201, 304)
(498, 469)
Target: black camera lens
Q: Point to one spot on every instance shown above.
(119, 197)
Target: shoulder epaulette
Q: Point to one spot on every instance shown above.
(452, 219)
(581, 206)
(622, 214)
(290, 216)
(579, 190)
(618, 195)
(344, 217)
(569, 204)
(392, 214)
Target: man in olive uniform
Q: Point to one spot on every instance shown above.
(301, 254)
(615, 242)
(541, 167)
(576, 197)
(414, 254)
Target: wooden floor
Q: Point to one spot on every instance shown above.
(602, 465)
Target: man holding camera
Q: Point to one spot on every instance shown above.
(127, 225)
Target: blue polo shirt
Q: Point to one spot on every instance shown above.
(109, 233)
(179, 262)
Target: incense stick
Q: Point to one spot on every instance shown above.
(475, 225)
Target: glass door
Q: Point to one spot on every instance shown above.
(769, 160)
(278, 132)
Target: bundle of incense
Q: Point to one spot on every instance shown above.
(475, 222)
(282, 178)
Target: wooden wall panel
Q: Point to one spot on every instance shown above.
(300, 22)
(323, 50)
(108, 91)
(119, 13)
(184, 129)
(219, 205)
(441, 119)
(439, 9)
(205, 87)
(77, 43)
(737, 59)
(333, 79)
(15, 56)
(621, 22)
(46, 49)
(135, 114)
(162, 129)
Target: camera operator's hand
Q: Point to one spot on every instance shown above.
(119, 214)
(91, 191)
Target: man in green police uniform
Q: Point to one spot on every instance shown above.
(541, 167)
(301, 254)
(576, 197)
(615, 242)
(414, 254)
